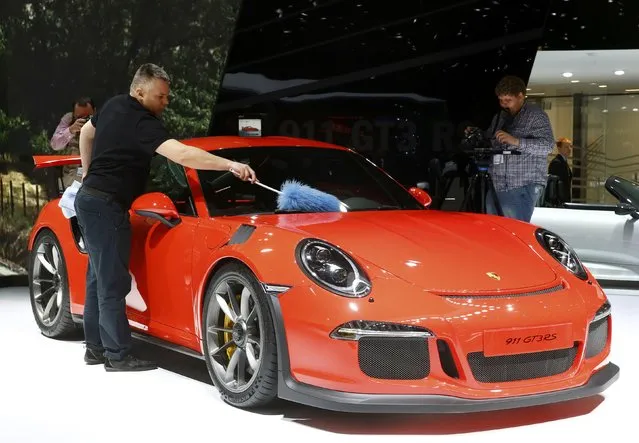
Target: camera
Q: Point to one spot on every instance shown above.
(475, 139)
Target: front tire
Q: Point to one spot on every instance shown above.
(239, 338)
(49, 287)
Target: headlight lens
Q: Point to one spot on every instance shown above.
(563, 253)
(332, 269)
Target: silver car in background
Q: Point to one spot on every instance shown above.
(604, 236)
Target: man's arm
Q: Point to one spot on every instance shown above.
(62, 135)
(196, 158)
(554, 168)
(87, 133)
(540, 140)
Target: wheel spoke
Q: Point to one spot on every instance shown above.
(250, 356)
(244, 303)
(214, 329)
(39, 281)
(48, 266)
(241, 367)
(225, 307)
(251, 316)
(50, 304)
(222, 348)
(45, 293)
(228, 377)
(55, 257)
(59, 295)
(233, 300)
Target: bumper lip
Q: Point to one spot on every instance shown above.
(378, 403)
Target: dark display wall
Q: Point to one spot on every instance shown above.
(398, 83)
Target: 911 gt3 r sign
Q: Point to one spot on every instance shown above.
(512, 341)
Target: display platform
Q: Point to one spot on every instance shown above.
(49, 394)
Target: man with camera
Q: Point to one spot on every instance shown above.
(521, 126)
(66, 138)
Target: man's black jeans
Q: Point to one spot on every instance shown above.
(106, 230)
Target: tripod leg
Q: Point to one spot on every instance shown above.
(467, 198)
(491, 189)
(483, 195)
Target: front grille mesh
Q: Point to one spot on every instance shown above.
(597, 337)
(394, 358)
(520, 366)
(504, 295)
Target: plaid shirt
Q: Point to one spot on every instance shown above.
(536, 141)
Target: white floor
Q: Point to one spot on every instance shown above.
(48, 394)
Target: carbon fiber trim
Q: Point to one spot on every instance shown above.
(506, 295)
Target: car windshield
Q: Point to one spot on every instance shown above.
(345, 174)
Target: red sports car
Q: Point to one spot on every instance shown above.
(388, 306)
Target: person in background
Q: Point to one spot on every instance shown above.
(66, 138)
(559, 166)
(520, 180)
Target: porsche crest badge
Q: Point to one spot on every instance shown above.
(493, 276)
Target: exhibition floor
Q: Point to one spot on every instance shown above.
(48, 394)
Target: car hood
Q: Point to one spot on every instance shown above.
(447, 252)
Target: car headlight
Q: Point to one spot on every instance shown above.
(332, 268)
(563, 253)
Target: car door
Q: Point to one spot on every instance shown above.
(161, 259)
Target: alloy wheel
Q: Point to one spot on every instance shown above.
(47, 283)
(234, 337)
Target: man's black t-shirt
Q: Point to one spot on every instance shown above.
(126, 137)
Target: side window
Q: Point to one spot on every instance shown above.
(169, 178)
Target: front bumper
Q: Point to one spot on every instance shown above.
(371, 403)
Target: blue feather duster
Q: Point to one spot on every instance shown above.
(296, 196)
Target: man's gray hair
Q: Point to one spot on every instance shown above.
(146, 73)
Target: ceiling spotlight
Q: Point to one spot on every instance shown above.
(619, 72)
(567, 74)
(574, 81)
(603, 86)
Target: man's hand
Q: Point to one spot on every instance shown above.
(242, 171)
(77, 125)
(506, 138)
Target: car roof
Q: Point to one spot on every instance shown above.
(213, 143)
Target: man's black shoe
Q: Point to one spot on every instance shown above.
(129, 363)
(93, 357)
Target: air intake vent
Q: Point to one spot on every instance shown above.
(597, 337)
(521, 366)
(394, 358)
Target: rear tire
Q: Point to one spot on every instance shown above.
(239, 338)
(49, 287)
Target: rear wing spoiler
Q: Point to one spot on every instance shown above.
(50, 161)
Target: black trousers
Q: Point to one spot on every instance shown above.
(106, 230)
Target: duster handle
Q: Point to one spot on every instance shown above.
(260, 184)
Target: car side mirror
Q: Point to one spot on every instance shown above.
(627, 209)
(158, 206)
(421, 196)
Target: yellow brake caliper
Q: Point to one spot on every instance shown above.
(228, 336)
